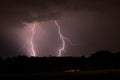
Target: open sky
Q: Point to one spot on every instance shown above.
(91, 25)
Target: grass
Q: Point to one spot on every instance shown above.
(82, 75)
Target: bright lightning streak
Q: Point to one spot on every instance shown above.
(32, 39)
(31, 29)
(62, 39)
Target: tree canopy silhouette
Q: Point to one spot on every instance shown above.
(101, 60)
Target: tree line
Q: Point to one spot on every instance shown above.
(101, 60)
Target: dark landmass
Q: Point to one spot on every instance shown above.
(100, 66)
(89, 75)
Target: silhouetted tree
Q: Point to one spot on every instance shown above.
(101, 60)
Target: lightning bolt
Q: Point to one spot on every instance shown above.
(62, 39)
(32, 27)
(32, 39)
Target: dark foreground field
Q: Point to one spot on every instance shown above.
(88, 75)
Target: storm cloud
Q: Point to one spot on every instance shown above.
(42, 10)
(91, 24)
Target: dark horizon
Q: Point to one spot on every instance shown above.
(60, 56)
(101, 60)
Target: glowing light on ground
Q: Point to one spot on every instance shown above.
(61, 38)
